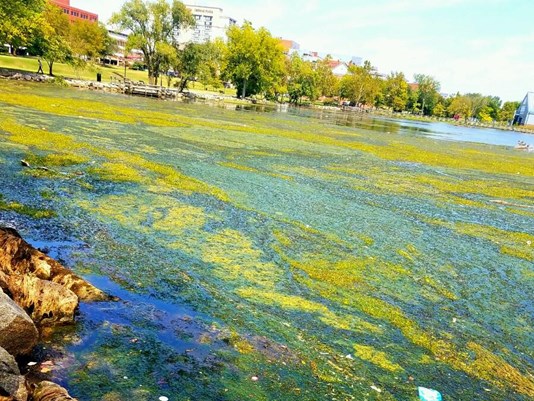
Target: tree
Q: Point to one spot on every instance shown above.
(360, 85)
(89, 39)
(19, 21)
(396, 91)
(427, 91)
(254, 60)
(327, 83)
(153, 26)
(470, 105)
(51, 40)
(508, 110)
(302, 79)
(199, 62)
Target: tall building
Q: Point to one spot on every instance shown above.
(75, 13)
(210, 24)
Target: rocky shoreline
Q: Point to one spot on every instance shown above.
(36, 293)
(111, 87)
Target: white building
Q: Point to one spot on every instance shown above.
(120, 54)
(210, 24)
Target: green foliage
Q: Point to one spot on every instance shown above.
(254, 60)
(199, 62)
(361, 85)
(507, 111)
(327, 83)
(396, 91)
(427, 92)
(154, 27)
(19, 21)
(89, 39)
(302, 79)
(52, 40)
(471, 105)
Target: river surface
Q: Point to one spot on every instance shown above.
(274, 256)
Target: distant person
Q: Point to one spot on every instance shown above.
(40, 70)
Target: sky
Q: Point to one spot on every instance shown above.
(469, 46)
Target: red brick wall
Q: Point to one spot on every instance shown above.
(75, 13)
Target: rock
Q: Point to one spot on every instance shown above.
(18, 334)
(17, 257)
(47, 303)
(48, 391)
(12, 382)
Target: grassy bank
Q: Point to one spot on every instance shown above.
(30, 64)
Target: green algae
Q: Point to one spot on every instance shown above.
(26, 210)
(328, 240)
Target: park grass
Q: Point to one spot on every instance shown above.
(29, 64)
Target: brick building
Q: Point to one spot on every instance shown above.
(75, 13)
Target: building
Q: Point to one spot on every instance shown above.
(75, 13)
(339, 68)
(289, 46)
(121, 56)
(524, 115)
(211, 24)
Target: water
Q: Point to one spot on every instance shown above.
(275, 256)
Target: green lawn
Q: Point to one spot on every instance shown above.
(89, 73)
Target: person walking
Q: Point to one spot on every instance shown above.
(40, 70)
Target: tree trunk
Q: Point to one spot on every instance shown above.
(50, 65)
(183, 84)
(244, 89)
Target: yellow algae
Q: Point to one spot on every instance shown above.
(56, 159)
(494, 369)
(239, 167)
(180, 218)
(440, 289)
(235, 259)
(517, 244)
(122, 166)
(39, 139)
(25, 210)
(299, 304)
(117, 172)
(378, 358)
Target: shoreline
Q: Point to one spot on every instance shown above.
(207, 97)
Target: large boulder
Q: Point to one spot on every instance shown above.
(18, 334)
(12, 383)
(47, 303)
(19, 257)
(48, 391)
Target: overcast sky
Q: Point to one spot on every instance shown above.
(484, 46)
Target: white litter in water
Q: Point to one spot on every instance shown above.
(376, 389)
(163, 398)
(32, 363)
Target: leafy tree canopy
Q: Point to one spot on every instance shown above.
(254, 60)
(154, 26)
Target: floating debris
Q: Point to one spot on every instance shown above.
(427, 394)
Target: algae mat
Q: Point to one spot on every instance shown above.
(268, 256)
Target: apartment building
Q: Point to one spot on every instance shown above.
(211, 23)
